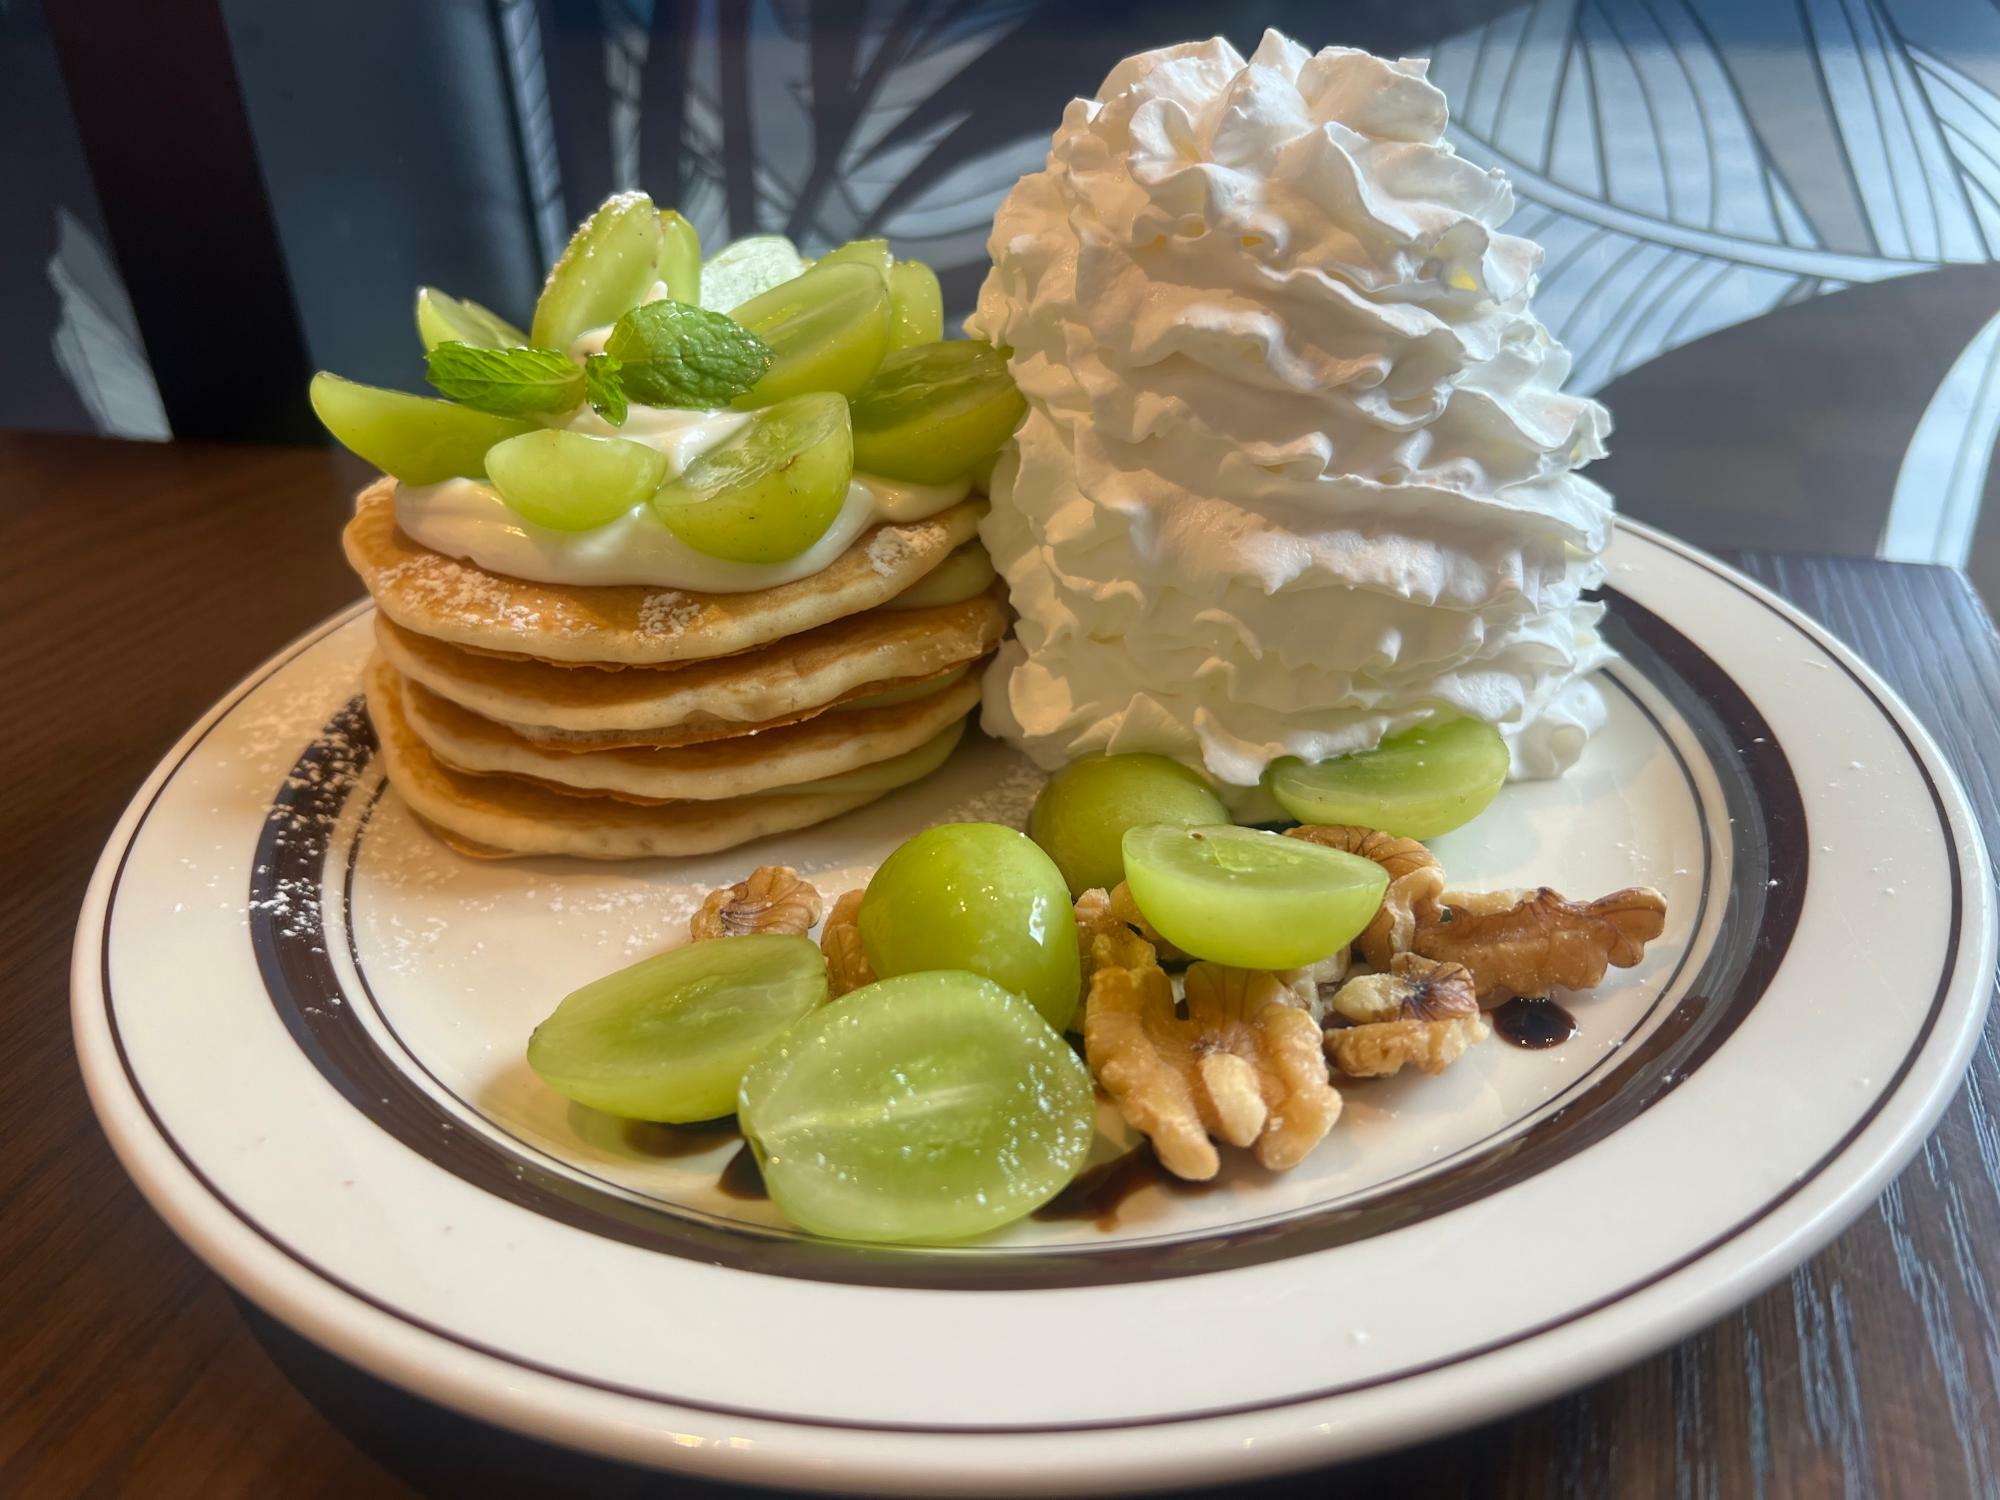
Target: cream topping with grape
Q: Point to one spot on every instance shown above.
(468, 518)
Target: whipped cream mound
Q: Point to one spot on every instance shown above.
(1297, 469)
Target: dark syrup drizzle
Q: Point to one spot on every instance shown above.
(1099, 1192)
(1534, 1023)
(741, 1179)
(670, 1142)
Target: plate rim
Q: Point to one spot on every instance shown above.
(341, 1320)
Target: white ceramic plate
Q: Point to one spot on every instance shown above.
(302, 1023)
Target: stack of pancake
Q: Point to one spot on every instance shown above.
(624, 722)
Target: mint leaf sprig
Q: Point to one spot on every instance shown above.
(662, 353)
(514, 382)
(676, 354)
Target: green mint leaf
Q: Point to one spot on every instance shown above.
(603, 388)
(675, 354)
(507, 382)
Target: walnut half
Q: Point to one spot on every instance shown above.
(840, 940)
(1244, 1066)
(1421, 1012)
(1531, 942)
(1416, 880)
(773, 900)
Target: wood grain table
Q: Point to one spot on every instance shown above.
(138, 582)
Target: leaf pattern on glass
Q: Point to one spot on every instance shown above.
(1690, 164)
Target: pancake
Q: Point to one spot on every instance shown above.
(781, 683)
(715, 770)
(445, 599)
(497, 817)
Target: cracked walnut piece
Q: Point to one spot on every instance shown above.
(847, 967)
(1421, 1012)
(1416, 881)
(1094, 918)
(773, 900)
(1528, 943)
(1244, 1066)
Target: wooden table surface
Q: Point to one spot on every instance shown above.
(139, 582)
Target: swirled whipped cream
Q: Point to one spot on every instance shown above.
(1297, 469)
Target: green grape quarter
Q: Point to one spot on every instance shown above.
(670, 1037)
(1083, 813)
(1416, 785)
(827, 331)
(444, 319)
(1251, 899)
(770, 491)
(930, 1106)
(861, 253)
(415, 438)
(679, 264)
(979, 897)
(743, 268)
(571, 481)
(965, 574)
(610, 264)
(935, 412)
(916, 305)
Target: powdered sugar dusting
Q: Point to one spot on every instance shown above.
(445, 586)
(668, 612)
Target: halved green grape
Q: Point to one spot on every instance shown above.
(743, 268)
(610, 264)
(1416, 785)
(1248, 898)
(916, 304)
(679, 265)
(931, 1106)
(827, 329)
(445, 319)
(965, 574)
(769, 492)
(935, 412)
(980, 897)
(861, 253)
(1082, 815)
(571, 481)
(416, 438)
(885, 775)
(669, 1038)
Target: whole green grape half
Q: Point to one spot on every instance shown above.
(827, 331)
(916, 305)
(1417, 784)
(418, 439)
(679, 264)
(572, 481)
(770, 491)
(444, 319)
(1250, 899)
(979, 897)
(670, 1037)
(924, 1107)
(609, 265)
(965, 574)
(1082, 815)
(743, 268)
(861, 253)
(935, 412)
